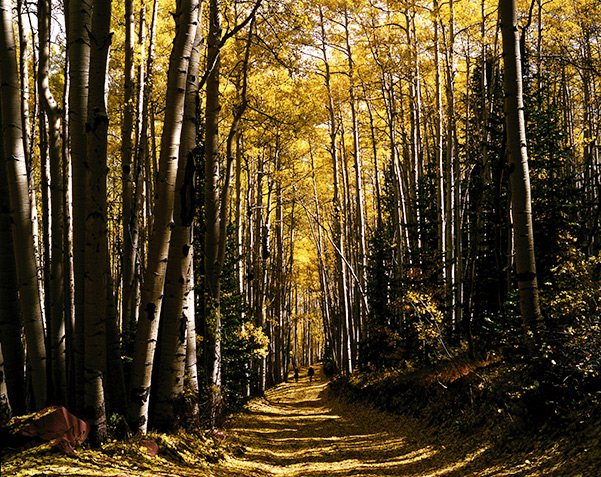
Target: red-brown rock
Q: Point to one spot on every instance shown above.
(54, 425)
(152, 448)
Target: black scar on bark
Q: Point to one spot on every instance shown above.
(151, 310)
(139, 395)
(526, 276)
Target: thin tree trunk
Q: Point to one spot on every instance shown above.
(341, 322)
(439, 144)
(191, 369)
(211, 203)
(24, 82)
(128, 176)
(519, 174)
(5, 409)
(359, 195)
(56, 259)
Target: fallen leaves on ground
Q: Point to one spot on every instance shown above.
(304, 429)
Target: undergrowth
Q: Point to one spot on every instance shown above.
(180, 453)
(527, 406)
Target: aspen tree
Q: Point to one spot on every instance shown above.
(97, 281)
(211, 204)
(56, 313)
(359, 228)
(5, 409)
(176, 313)
(11, 324)
(78, 50)
(519, 172)
(158, 248)
(340, 321)
(13, 160)
(128, 176)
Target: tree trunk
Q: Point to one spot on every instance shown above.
(97, 267)
(128, 177)
(211, 204)
(11, 325)
(16, 171)
(191, 371)
(440, 163)
(5, 409)
(78, 50)
(158, 249)
(519, 173)
(176, 314)
(360, 229)
(57, 308)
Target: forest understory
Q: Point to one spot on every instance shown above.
(459, 418)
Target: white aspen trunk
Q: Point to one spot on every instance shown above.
(24, 56)
(440, 164)
(78, 49)
(359, 197)
(452, 180)
(138, 216)
(56, 312)
(376, 173)
(16, 172)
(129, 210)
(340, 318)
(98, 282)
(257, 266)
(278, 304)
(191, 373)
(11, 325)
(212, 216)
(239, 225)
(5, 409)
(523, 233)
(158, 249)
(176, 313)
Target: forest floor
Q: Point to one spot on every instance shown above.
(304, 429)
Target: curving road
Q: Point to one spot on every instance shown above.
(298, 429)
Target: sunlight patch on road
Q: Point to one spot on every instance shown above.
(459, 464)
(320, 467)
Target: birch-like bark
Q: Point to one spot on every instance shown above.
(158, 249)
(97, 267)
(78, 49)
(129, 209)
(16, 172)
(11, 325)
(5, 409)
(176, 314)
(519, 172)
(211, 203)
(360, 229)
(55, 150)
(439, 144)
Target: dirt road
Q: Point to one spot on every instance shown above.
(298, 429)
